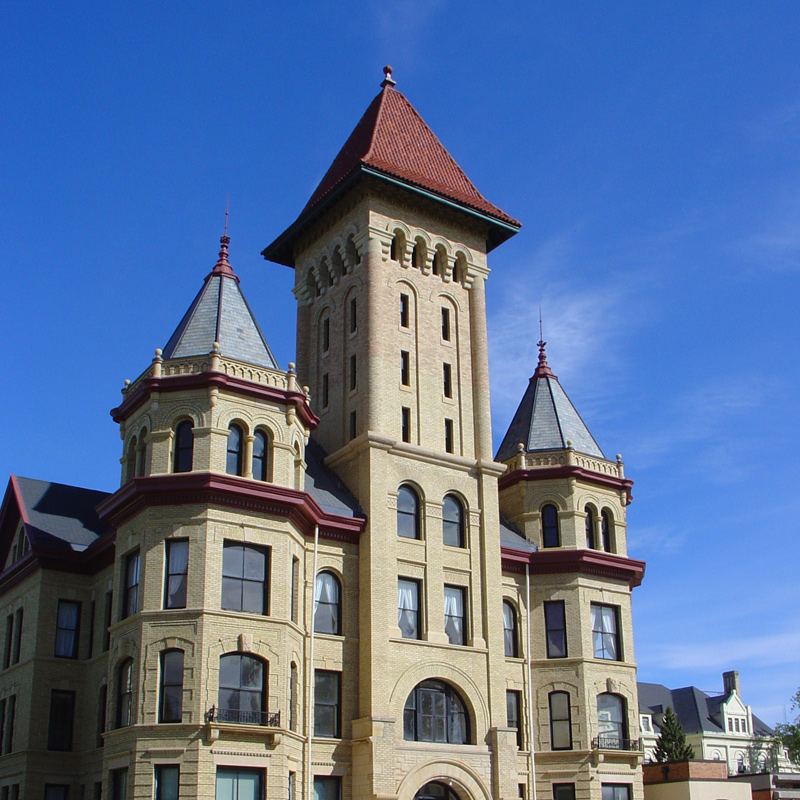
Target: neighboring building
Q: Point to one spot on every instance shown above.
(338, 589)
(719, 728)
(772, 785)
(692, 780)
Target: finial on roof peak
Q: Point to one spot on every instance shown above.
(387, 79)
(542, 368)
(223, 265)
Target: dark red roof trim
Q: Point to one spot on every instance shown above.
(176, 383)
(588, 562)
(228, 490)
(567, 471)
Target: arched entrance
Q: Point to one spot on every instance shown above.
(436, 790)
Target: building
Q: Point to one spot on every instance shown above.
(692, 780)
(337, 589)
(719, 727)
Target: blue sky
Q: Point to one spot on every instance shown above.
(650, 150)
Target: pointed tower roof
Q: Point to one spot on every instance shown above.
(392, 142)
(220, 313)
(546, 418)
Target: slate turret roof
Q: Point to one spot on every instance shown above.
(220, 313)
(546, 418)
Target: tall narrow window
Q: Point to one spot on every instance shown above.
(62, 715)
(437, 263)
(448, 436)
(510, 637)
(3, 724)
(244, 578)
(183, 447)
(403, 310)
(327, 704)
(291, 790)
(170, 707)
(589, 527)
(353, 318)
(513, 715)
(125, 693)
(326, 335)
(408, 514)
(177, 568)
(130, 597)
(405, 424)
(327, 604)
(560, 721)
(119, 784)
(294, 601)
(141, 454)
(605, 526)
(168, 779)
(107, 621)
(352, 425)
(11, 712)
(293, 697)
(556, 629)
(260, 456)
(101, 714)
(67, 629)
(90, 646)
(550, 533)
(605, 632)
(453, 522)
(9, 641)
(353, 375)
(405, 368)
(242, 698)
(611, 722)
(15, 653)
(447, 379)
(454, 618)
(446, 324)
(408, 608)
(325, 391)
(233, 462)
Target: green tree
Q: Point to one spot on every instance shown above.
(789, 733)
(671, 744)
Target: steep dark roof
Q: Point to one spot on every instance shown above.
(325, 487)
(220, 313)
(511, 536)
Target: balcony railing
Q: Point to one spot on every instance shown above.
(266, 718)
(616, 743)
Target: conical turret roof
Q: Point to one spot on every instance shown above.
(546, 418)
(220, 313)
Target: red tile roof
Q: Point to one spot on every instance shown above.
(393, 138)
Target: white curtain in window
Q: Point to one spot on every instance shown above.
(407, 606)
(326, 589)
(454, 613)
(67, 625)
(508, 617)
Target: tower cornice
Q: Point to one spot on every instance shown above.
(568, 471)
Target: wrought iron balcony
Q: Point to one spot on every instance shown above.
(240, 717)
(616, 743)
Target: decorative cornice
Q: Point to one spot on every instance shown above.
(587, 562)
(208, 488)
(567, 471)
(176, 383)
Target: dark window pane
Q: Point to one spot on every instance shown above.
(550, 534)
(62, 712)
(167, 782)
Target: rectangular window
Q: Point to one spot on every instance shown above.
(736, 725)
(560, 721)
(17, 636)
(405, 424)
(98, 790)
(448, 436)
(405, 368)
(328, 787)
(446, 324)
(67, 629)
(616, 791)
(8, 641)
(454, 619)
(90, 646)
(107, 621)
(170, 708)
(513, 706)
(62, 714)
(447, 379)
(605, 632)
(291, 790)
(244, 578)
(353, 375)
(353, 318)
(56, 791)
(555, 624)
(563, 791)
(325, 391)
(177, 573)
(403, 310)
(2, 723)
(327, 704)
(326, 335)
(730, 725)
(119, 784)
(130, 596)
(11, 709)
(408, 608)
(168, 779)
(295, 598)
(352, 425)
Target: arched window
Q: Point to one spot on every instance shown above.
(435, 713)
(611, 722)
(241, 689)
(327, 604)
(22, 542)
(452, 521)
(589, 527)
(550, 533)
(437, 262)
(183, 447)
(416, 256)
(408, 522)
(170, 706)
(125, 693)
(233, 462)
(605, 526)
(260, 456)
(560, 721)
(435, 791)
(130, 460)
(510, 630)
(141, 454)
(351, 251)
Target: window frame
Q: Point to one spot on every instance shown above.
(17, 650)
(415, 514)
(514, 703)
(616, 638)
(264, 552)
(566, 722)
(353, 373)
(169, 544)
(334, 781)
(60, 729)
(130, 594)
(405, 424)
(124, 715)
(462, 594)
(416, 586)
(336, 705)
(513, 640)
(447, 379)
(563, 791)
(405, 368)
(550, 527)
(71, 652)
(614, 794)
(446, 330)
(606, 526)
(456, 523)
(353, 315)
(224, 712)
(449, 436)
(404, 310)
(550, 645)
(234, 455)
(413, 716)
(183, 444)
(591, 532)
(336, 606)
(168, 715)
(158, 769)
(620, 727)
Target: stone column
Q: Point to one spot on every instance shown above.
(480, 369)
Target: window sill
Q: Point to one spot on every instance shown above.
(443, 645)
